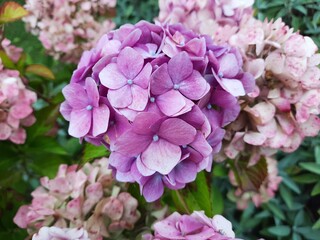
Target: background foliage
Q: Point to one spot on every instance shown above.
(293, 214)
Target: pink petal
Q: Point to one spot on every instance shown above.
(130, 62)
(171, 102)
(254, 138)
(143, 169)
(100, 119)
(18, 136)
(140, 98)
(75, 95)
(180, 67)
(65, 110)
(21, 217)
(92, 92)
(144, 76)
(5, 131)
(161, 156)
(160, 80)
(132, 144)
(144, 121)
(194, 87)
(120, 98)
(80, 122)
(20, 110)
(232, 86)
(111, 77)
(229, 65)
(185, 172)
(177, 131)
(196, 46)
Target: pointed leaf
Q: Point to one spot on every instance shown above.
(40, 70)
(11, 11)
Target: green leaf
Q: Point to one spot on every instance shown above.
(92, 152)
(286, 196)
(312, 167)
(40, 70)
(316, 225)
(290, 184)
(317, 148)
(201, 193)
(11, 11)
(306, 178)
(275, 210)
(316, 189)
(179, 202)
(6, 61)
(41, 145)
(217, 201)
(280, 231)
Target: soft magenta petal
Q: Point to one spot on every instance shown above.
(195, 86)
(232, 86)
(229, 65)
(65, 110)
(153, 189)
(111, 77)
(20, 110)
(121, 97)
(92, 92)
(140, 98)
(180, 67)
(177, 131)
(161, 156)
(144, 76)
(160, 80)
(130, 62)
(144, 121)
(75, 95)
(100, 119)
(144, 171)
(254, 138)
(171, 102)
(80, 122)
(132, 144)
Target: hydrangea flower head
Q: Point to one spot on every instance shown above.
(195, 226)
(67, 28)
(86, 199)
(55, 233)
(153, 83)
(16, 100)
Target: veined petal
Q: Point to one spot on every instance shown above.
(171, 102)
(100, 119)
(195, 86)
(161, 156)
(143, 77)
(140, 98)
(130, 62)
(153, 188)
(80, 122)
(160, 80)
(92, 92)
(180, 67)
(120, 98)
(111, 77)
(75, 95)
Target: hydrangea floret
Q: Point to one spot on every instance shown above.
(87, 198)
(153, 94)
(55, 233)
(16, 100)
(67, 28)
(195, 226)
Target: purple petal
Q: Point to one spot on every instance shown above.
(121, 97)
(92, 92)
(160, 80)
(229, 66)
(180, 67)
(80, 122)
(195, 86)
(130, 62)
(144, 121)
(177, 131)
(132, 144)
(167, 227)
(153, 189)
(65, 110)
(232, 86)
(171, 102)
(201, 145)
(132, 38)
(143, 169)
(111, 77)
(197, 47)
(100, 119)
(75, 95)
(140, 98)
(120, 162)
(144, 76)
(161, 156)
(185, 172)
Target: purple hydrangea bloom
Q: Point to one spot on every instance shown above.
(155, 82)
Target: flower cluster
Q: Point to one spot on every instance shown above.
(86, 198)
(195, 226)
(67, 28)
(15, 100)
(265, 192)
(158, 97)
(55, 233)
(285, 105)
(217, 18)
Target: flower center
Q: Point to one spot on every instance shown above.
(209, 106)
(184, 146)
(176, 86)
(152, 99)
(220, 74)
(130, 81)
(112, 123)
(89, 107)
(155, 138)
